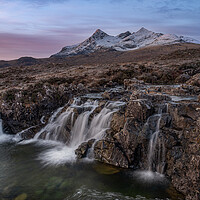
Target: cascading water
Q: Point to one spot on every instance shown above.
(3, 137)
(79, 123)
(1, 131)
(79, 132)
(156, 153)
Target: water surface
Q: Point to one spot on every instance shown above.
(49, 171)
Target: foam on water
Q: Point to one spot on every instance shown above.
(91, 194)
(148, 176)
(57, 155)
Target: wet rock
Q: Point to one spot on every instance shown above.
(102, 168)
(21, 197)
(133, 143)
(184, 115)
(29, 133)
(115, 94)
(24, 108)
(132, 84)
(118, 121)
(179, 130)
(82, 150)
(139, 109)
(80, 86)
(107, 95)
(188, 89)
(107, 151)
(182, 149)
(166, 121)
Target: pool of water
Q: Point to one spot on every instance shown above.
(48, 171)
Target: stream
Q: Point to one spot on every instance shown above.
(46, 168)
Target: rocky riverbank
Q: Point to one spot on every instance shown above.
(157, 128)
(176, 153)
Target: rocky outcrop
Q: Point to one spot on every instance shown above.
(183, 144)
(108, 151)
(22, 109)
(126, 144)
(83, 149)
(128, 135)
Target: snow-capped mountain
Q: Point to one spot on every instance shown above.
(122, 42)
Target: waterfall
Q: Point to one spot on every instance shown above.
(156, 152)
(55, 128)
(1, 130)
(79, 123)
(3, 137)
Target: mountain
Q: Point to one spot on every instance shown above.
(101, 41)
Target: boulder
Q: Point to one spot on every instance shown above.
(82, 150)
(108, 151)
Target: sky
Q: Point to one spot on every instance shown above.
(40, 28)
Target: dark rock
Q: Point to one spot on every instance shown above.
(123, 35)
(182, 149)
(128, 140)
(182, 78)
(82, 150)
(108, 152)
(184, 115)
(118, 121)
(139, 109)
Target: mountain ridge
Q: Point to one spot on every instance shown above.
(126, 41)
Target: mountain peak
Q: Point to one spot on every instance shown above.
(99, 34)
(99, 31)
(143, 30)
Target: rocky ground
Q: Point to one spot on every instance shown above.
(29, 95)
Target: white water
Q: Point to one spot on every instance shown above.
(184, 98)
(3, 137)
(148, 177)
(81, 129)
(92, 194)
(156, 153)
(57, 154)
(81, 124)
